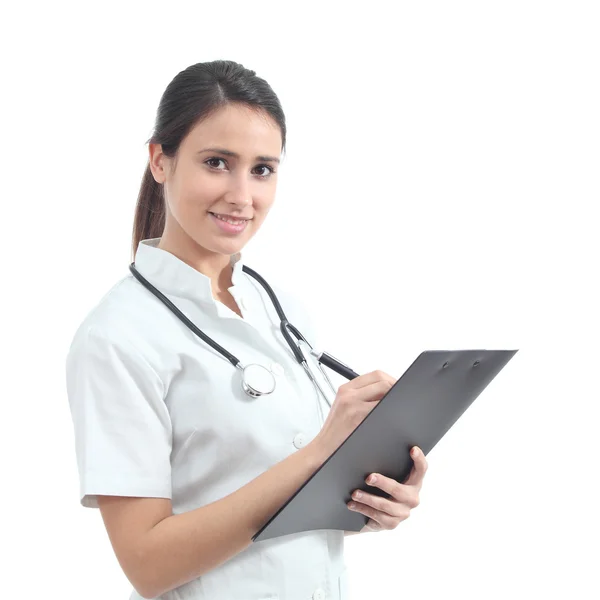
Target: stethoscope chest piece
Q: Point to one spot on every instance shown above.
(257, 380)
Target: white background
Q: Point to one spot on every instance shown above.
(438, 192)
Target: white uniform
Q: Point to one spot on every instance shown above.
(157, 412)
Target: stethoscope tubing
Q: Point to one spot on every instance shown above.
(230, 357)
(285, 325)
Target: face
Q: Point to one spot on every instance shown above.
(204, 183)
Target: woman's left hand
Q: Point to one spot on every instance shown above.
(387, 513)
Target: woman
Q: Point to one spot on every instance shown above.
(184, 466)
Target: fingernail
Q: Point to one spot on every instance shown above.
(372, 479)
(415, 452)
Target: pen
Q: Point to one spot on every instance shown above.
(334, 364)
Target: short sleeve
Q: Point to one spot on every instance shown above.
(123, 434)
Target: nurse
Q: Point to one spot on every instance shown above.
(183, 465)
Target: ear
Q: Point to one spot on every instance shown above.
(157, 162)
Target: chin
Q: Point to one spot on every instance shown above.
(227, 247)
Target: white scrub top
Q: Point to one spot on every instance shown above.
(157, 412)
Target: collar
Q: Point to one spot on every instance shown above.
(170, 275)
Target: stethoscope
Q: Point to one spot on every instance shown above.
(257, 380)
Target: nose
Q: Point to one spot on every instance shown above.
(240, 191)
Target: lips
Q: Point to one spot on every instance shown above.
(230, 228)
(232, 217)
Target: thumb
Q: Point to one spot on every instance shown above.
(419, 467)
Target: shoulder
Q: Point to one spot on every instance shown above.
(121, 319)
(109, 357)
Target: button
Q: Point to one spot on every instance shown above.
(319, 594)
(300, 440)
(277, 369)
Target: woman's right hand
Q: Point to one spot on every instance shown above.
(353, 402)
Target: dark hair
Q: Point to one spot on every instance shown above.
(192, 96)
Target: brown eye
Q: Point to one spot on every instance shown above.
(214, 160)
(271, 171)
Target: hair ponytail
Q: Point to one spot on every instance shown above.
(149, 220)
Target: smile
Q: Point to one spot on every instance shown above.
(231, 220)
(229, 225)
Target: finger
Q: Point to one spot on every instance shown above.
(419, 469)
(373, 392)
(369, 378)
(373, 525)
(393, 508)
(385, 520)
(400, 492)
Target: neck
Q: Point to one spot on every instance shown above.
(215, 266)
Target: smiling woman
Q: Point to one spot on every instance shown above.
(184, 469)
(183, 465)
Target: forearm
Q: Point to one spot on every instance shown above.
(182, 547)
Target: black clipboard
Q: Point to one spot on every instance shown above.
(418, 410)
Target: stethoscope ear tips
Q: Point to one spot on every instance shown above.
(257, 380)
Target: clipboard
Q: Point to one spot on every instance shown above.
(418, 410)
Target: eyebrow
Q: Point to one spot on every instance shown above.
(235, 155)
